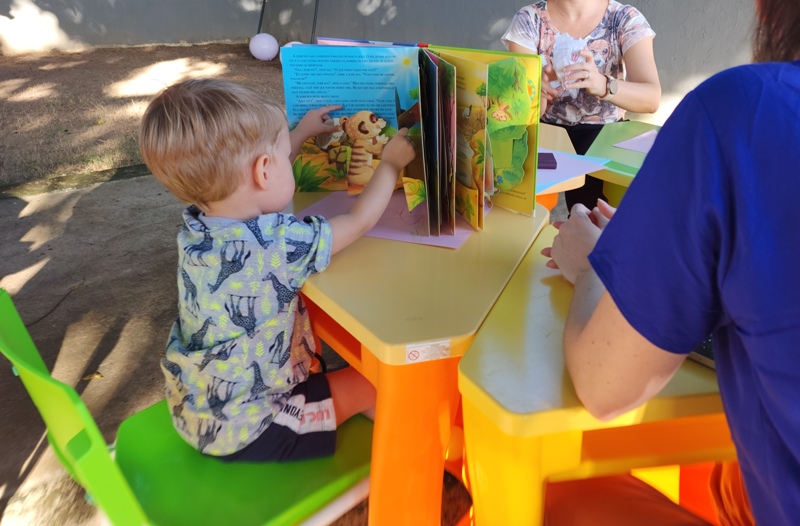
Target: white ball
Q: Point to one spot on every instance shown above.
(289, 44)
(263, 46)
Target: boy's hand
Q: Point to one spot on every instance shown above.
(312, 123)
(372, 202)
(399, 151)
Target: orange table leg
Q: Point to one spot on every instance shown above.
(416, 409)
(548, 201)
(417, 406)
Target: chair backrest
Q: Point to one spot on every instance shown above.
(71, 430)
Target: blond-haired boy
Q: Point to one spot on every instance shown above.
(238, 360)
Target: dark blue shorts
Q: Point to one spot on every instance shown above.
(305, 428)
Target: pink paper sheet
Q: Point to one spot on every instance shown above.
(397, 223)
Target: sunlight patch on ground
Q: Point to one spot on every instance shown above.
(8, 87)
(34, 93)
(56, 210)
(153, 79)
(49, 202)
(63, 65)
(15, 282)
(31, 29)
(102, 123)
(40, 235)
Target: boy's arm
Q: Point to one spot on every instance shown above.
(312, 123)
(372, 202)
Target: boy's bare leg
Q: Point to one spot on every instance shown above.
(352, 394)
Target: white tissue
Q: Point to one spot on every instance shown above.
(566, 51)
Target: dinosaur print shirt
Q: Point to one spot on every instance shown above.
(243, 338)
(622, 26)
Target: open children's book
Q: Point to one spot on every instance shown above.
(472, 114)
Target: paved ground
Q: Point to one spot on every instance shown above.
(92, 272)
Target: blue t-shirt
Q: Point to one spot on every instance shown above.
(707, 240)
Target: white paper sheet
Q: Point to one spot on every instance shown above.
(568, 167)
(641, 143)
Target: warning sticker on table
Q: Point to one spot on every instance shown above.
(426, 351)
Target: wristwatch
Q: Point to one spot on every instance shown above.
(612, 86)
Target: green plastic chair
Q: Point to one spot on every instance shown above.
(156, 478)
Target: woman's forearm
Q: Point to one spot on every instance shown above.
(638, 97)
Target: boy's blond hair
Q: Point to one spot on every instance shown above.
(199, 137)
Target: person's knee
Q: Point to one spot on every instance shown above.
(352, 394)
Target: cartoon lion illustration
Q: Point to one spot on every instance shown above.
(364, 129)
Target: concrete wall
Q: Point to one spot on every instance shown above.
(696, 38)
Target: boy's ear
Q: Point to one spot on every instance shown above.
(260, 171)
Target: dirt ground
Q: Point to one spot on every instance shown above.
(63, 114)
(72, 113)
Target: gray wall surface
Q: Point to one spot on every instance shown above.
(33, 25)
(695, 38)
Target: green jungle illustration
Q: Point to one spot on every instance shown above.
(511, 101)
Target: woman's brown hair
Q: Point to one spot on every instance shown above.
(777, 35)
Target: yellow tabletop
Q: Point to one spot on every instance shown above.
(524, 425)
(514, 370)
(389, 294)
(624, 164)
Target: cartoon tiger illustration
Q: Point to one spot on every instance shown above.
(364, 129)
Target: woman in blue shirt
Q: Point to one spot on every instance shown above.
(701, 245)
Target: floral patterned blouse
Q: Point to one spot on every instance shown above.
(622, 27)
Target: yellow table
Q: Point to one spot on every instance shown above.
(556, 138)
(624, 164)
(523, 422)
(403, 315)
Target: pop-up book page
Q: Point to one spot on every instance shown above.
(374, 85)
(472, 115)
(397, 223)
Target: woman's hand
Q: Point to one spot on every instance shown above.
(576, 239)
(602, 214)
(586, 76)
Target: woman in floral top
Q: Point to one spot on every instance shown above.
(619, 72)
